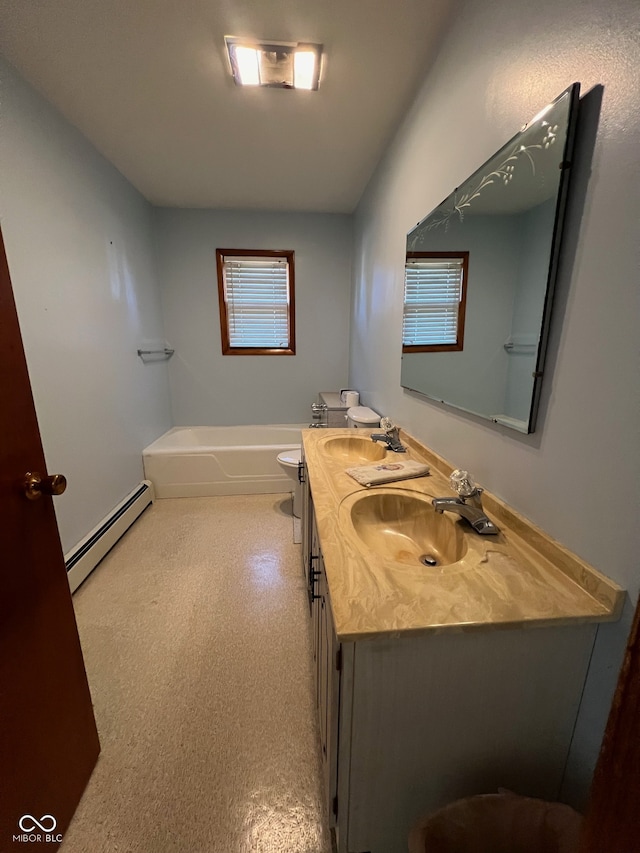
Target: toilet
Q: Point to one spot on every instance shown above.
(289, 460)
(357, 417)
(362, 417)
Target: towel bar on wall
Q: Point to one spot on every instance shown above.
(513, 346)
(166, 352)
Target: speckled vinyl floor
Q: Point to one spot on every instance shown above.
(196, 637)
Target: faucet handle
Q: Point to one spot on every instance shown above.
(462, 483)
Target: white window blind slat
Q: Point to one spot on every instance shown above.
(256, 293)
(432, 295)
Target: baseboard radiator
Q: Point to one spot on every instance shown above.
(86, 555)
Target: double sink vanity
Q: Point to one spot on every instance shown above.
(447, 663)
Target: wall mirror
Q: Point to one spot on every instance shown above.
(480, 275)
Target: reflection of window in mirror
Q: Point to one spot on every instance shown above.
(435, 296)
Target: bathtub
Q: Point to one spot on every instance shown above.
(189, 462)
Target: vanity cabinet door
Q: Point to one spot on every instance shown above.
(310, 538)
(328, 695)
(326, 654)
(307, 513)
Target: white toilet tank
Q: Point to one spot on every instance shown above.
(362, 417)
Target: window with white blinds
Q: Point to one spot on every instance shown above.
(256, 297)
(434, 301)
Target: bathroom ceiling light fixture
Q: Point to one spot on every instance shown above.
(277, 65)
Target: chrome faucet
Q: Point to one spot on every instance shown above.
(390, 436)
(468, 504)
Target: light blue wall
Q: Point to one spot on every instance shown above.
(578, 475)
(80, 250)
(209, 388)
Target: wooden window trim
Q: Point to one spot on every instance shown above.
(227, 349)
(462, 305)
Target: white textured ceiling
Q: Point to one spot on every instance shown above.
(146, 81)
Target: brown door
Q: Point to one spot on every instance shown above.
(48, 739)
(612, 822)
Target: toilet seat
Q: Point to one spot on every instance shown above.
(290, 457)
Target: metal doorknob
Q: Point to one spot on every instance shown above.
(35, 485)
